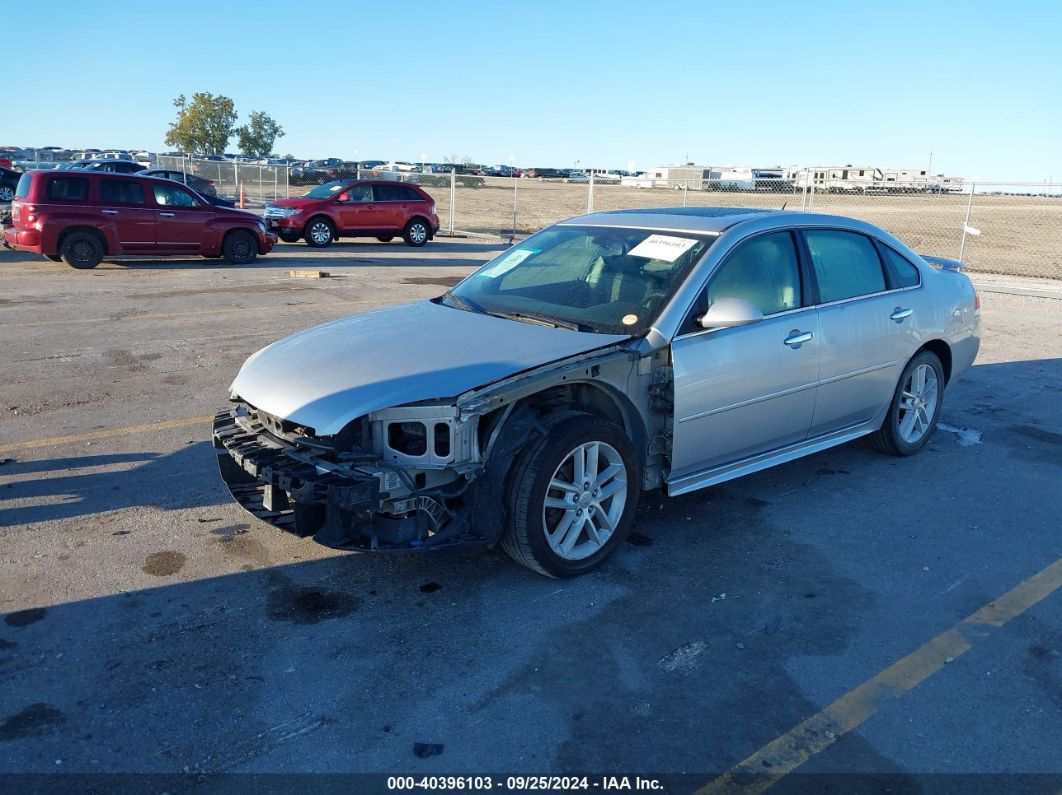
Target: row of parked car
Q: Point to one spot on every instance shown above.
(81, 216)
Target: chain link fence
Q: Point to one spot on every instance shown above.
(1001, 228)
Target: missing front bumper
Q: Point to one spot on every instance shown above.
(290, 492)
(279, 485)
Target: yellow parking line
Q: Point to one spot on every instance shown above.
(55, 441)
(783, 755)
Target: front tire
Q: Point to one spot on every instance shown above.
(239, 248)
(7, 193)
(81, 250)
(416, 233)
(385, 238)
(915, 406)
(572, 497)
(320, 233)
(289, 235)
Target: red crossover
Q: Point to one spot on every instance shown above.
(356, 208)
(81, 217)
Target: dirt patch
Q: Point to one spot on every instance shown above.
(163, 564)
(243, 289)
(438, 281)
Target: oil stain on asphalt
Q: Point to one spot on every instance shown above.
(163, 564)
(299, 605)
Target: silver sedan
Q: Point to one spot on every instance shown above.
(605, 355)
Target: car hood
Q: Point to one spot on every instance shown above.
(326, 376)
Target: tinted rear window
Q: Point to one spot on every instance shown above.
(67, 189)
(396, 193)
(120, 191)
(901, 272)
(846, 264)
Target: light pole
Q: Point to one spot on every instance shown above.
(512, 170)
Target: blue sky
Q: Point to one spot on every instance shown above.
(552, 83)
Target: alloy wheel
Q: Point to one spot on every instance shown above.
(321, 233)
(585, 500)
(918, 404)
(418, 233)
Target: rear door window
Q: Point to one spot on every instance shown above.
(902, 273)
(115, 191)
(393, 193)
(23, 188)
(846, 264)
(67, 189)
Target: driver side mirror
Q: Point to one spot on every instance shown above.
(731, 312)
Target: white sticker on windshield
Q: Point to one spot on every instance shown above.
(663, 247)
(508, 262)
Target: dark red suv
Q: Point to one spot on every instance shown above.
(356, 208)
(81, 217)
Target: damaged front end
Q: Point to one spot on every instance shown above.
(424, 476)
(393, 481)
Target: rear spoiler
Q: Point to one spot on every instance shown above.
(943, 263)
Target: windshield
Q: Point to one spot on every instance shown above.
(604, 279)
(326, 190)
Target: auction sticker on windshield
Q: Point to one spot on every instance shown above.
(508, 262)
(662, 247)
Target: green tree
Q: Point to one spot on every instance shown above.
(259, 134)
(203, 125)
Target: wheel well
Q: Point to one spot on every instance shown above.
(91, 230)
(324, 218)
(236, 230)
(943, 352)
(589, 398)
(422, 219)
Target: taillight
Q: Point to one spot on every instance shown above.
(977, 301)
(31, 213)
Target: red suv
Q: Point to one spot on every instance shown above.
(356, 208)
(81, 217)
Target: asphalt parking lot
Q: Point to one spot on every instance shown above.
(150, 625)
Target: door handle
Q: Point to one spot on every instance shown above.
(109, 212)
(899, 315)
(166, 215)
(797, 338)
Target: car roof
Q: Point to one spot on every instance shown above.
(692, 219)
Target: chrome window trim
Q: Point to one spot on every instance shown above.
(879, 293)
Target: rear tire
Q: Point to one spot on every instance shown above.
(915, 406)
(289, 235)
(239, 248)
(7, 193)
(81, 250)
(546, 505)
(417, 233)
(320, 233)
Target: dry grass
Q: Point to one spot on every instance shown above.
(1020, 236)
